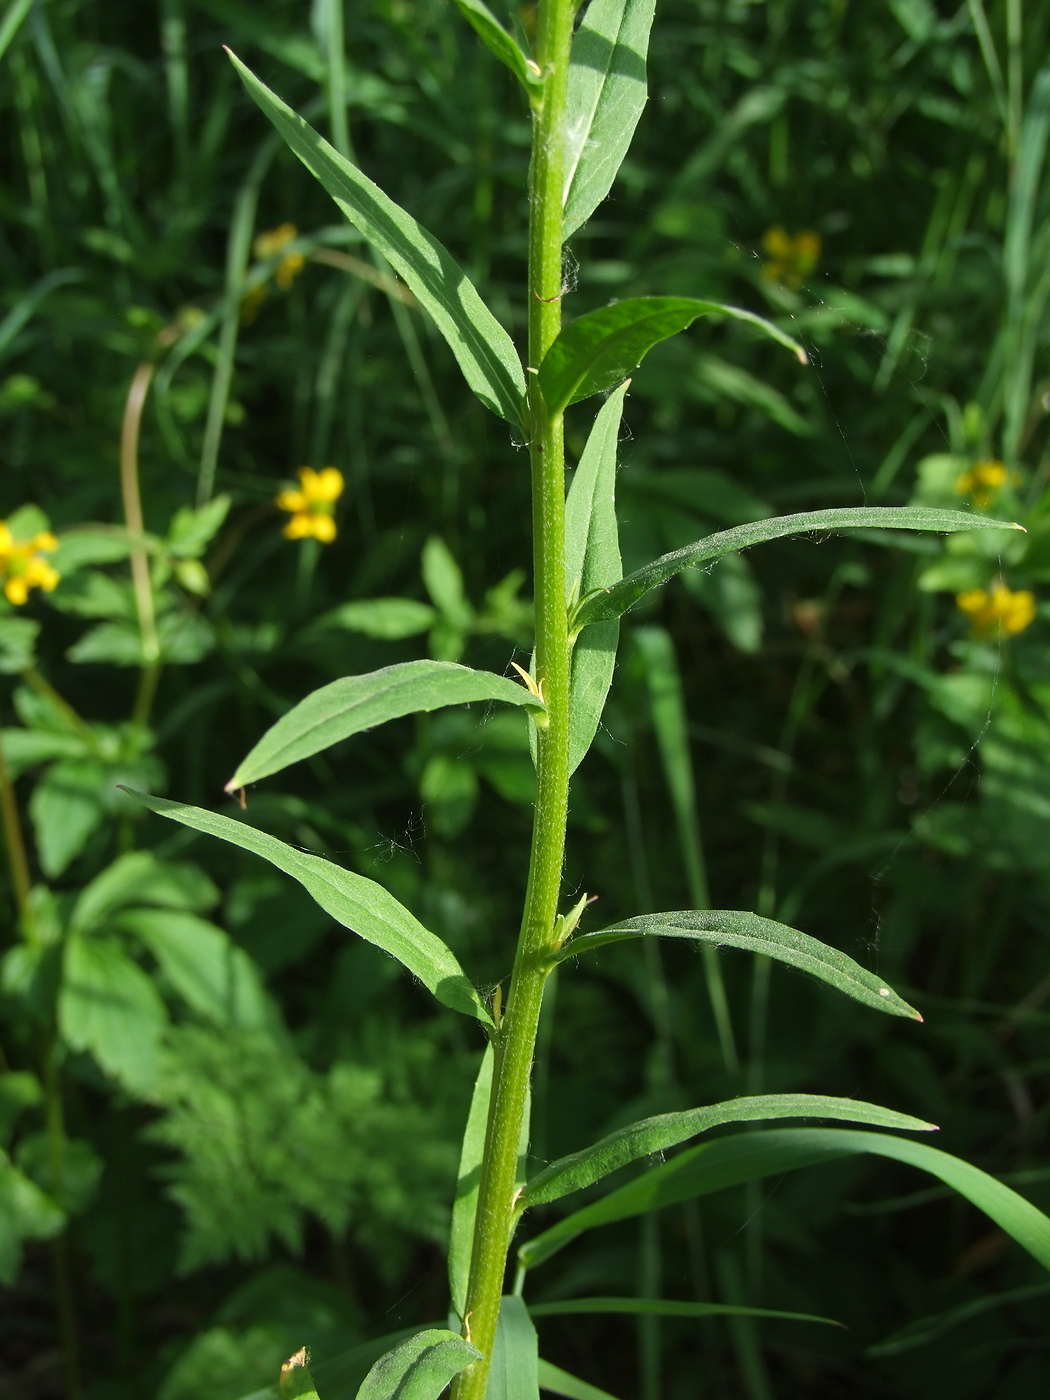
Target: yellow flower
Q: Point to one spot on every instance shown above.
(23, 566)
(1001, 608)
(789, 260)
(269, 245)
(983, 481)
(312, 507)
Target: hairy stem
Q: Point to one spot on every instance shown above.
(516, 1040)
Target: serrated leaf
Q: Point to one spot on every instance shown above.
(667, 1307)
(66, 807)
(592, 561)
(484, 350)
(110, 1008)
(597, 351)
(356, 703)
(667, 1130)
(513, 1372)
(360, 905)
(736, 928)
(606, 94)
(731, 1161)
(503, 45)
(615, 601)
(420, 1368)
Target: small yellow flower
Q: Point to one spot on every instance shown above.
(1001, 608)
(267, 247)
(23, 566)
(983, 481)
(312, 507)
(789, 260)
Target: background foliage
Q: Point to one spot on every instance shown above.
(821, 735)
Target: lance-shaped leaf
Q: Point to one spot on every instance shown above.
(666, 1307)
(598, 350)
(503, 45)
(735, 928)
(420, 1368)
(468, 1182)
(356, 703)
(360, 905)
(615, 601)
(515, 1356)
(483, 348)
(927, 1329)
(606, 94)
(731, 1161)
(652, 1135)
(560, 1382)
(592, 561)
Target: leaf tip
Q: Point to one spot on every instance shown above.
(803, 359)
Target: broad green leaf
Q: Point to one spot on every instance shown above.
(615, 601)
(653, 1135)
(464, 1208)
(66, 807)
(503, 45)
(206, 969)
(731, 1161)
(928, 1329)
(110, 1008)
(25, 748)
(513, 1373)
(26, 1213)
(419, 1368)
(386, 619)
(356, 703)
(606, 94)
(360, 905)
(140, 878)
(597, 351)
(735, 928)
(664, 1307)
(17, 644)
(560, 1382)
(592, 561)
(19, 1090)
(484, 350)
(340, 1376)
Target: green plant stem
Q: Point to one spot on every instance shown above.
(56, 1151)
(131, 496)
(516, 1036)
(15, 844)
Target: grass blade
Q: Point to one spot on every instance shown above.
(928, 1329)
(667, 1307)
(560, 1382)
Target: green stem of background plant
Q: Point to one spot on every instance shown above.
(516, 1035)
(133, 519)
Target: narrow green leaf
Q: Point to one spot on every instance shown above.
(664, 1307)
(598, 350)
(503, 45)
(653, 1135)
(592, 561)
(110, 1008)
(360, 905)
(560, 1382)
(484, 350)
(356, 703)
(513, 1374)
(606, 94)
(731, 1161)
(419, 1368)
(12, 22)
(928, 1329)
(615, 601)
(735, 928)
(464, 1207)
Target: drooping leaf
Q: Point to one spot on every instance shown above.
(606, 94)
(653, 1135)
(592, 561)
(667, 1307)
(927, 1329)
(110, 1008)
(360, 905)
(484, 350)
(560, 1382)
(356, 703)
(597, 351)
(614, 602)
(498, 41)
(735, 928)
(731, 1161)
(468, 1180)
(419, 1368)
(513, 1373)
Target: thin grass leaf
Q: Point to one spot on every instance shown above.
(592, 561)
(927, 1329)
(667, 1130)
(468, 1180)
(419, 1368)
(560, 1382)
(496, 39)
(614, 602)
(356, 703)
(484, 350)
(735, 928)
(514, 1373)
(12, 22)
(597, 351)
(606, 94)
(26, 305)
(664, 1307)
(360, 905)
(732, 1161)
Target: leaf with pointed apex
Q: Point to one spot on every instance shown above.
(597, 351)
(560, 1382)
(360, 905)
(356, 703)
(731, 1161)
(419, 1368)
(483, 348)
(652, 1135)
(666, 1307)
(513, 1374)
(592, 560)
(735, 928)
(503, 45)
(615, 601)
(606, 94)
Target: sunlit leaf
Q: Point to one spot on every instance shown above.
(419, 1368)
(513, 1372)
(498, 41)
(468, 1180)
